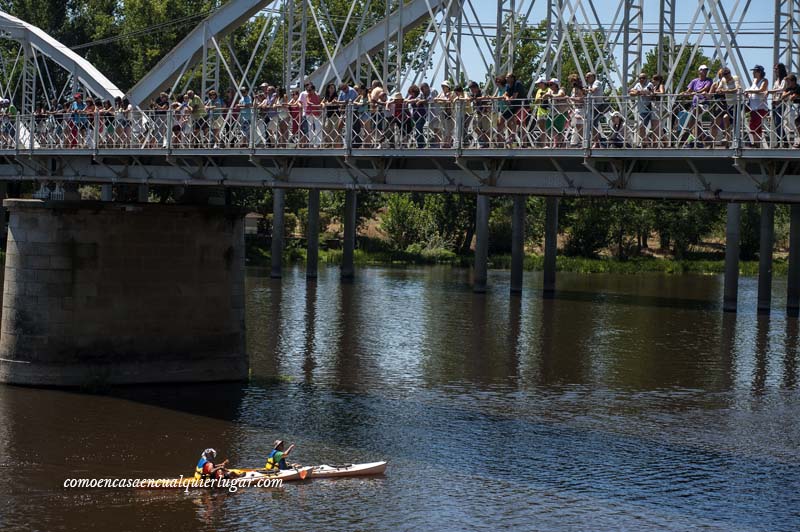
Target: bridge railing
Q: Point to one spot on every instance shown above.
(553, 123)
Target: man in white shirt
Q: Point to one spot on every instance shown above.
(594, 93)
(643, 90)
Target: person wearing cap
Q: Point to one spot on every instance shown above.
(698, 89)
(757, 104)
(397, 120)
(446, 121)
(277, 457)
(643, 92)
(541, 107)
(616, 138)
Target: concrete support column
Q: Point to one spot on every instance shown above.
(312, 234)
(793, 281)
(731, 295)
(765, 258)
(550, 246)
(481, 243)
(98, 293)
(517, 243)
(349, 244)
(142, 193)
(106, 193)
(276, 252)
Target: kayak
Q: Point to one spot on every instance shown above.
(333, 471)
(348, 470)
(250, 477)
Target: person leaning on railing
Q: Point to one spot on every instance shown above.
(331, 112)
(726, 93)
(643, 92)
(482, 123)
(594, 91)
(362, 125)
(541, 108)
(577, 100)
(789, 99)
(779, 72)
(419, 113)
(698, 89)
(757, 104)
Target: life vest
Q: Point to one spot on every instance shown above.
(198, 470)
(271, 462)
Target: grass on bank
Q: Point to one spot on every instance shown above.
(260, 256)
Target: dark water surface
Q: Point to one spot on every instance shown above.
(629, 402)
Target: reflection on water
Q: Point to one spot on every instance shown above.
(626, 402)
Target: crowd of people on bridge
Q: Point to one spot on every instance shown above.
(711, 111)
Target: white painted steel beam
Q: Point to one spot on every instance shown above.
(412, 15)
(190, 50)
(37, 39)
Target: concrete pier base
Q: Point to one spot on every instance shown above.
(111, 293)
(349, 244)
(765, 258)
(732, 230)
(481, 243)
(550, 247)
(517, 243)
(793, 280)
(312, 234)
(276, 251)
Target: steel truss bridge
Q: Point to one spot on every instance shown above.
(401, 43)
(372, 40)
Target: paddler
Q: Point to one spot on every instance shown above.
(207, 469)
(277, 457)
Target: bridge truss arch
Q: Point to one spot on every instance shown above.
(28, 77)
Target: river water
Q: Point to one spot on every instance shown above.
(629, 402)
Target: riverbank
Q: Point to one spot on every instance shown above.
(259, 256)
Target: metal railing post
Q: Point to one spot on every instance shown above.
(348, 126)
(459, 129)
(96, 132)
(253, 127)
(170, 118)
(31, 131)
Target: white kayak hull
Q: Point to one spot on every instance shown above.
(350, 470)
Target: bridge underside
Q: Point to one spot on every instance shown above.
(721, 175)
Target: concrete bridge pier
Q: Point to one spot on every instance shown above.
(481, 267)
(349, 244)
(731, 294)
(312, 234)
(765, 258)
(122, 293)
(517, 243)
(793, 280)
(276, 251)
(550, 247)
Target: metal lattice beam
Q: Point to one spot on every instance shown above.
(632, 26)
(786, 47)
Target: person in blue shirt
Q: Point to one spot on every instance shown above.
(78, 118)
(206, 468)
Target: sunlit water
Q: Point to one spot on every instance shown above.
(629, 402)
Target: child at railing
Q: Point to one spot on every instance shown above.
(616, 135)
(577, 100)
(362, 125)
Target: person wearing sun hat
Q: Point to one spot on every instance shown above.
(447, 124)
(757, 103)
